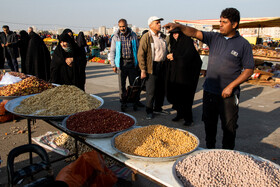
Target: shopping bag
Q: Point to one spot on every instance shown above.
(88, 170)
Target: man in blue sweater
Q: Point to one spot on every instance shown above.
(123, 57)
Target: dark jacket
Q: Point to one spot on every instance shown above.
(183, 72)
(38, 57)
(61, 73)
(11, 49)
(23, 46)
(145, 53)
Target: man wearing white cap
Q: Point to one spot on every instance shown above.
(151, 56)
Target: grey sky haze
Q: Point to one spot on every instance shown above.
(86, 14)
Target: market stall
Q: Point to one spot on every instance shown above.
(156, 151)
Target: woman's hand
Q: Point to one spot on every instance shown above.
(170, 56)
(69, 61)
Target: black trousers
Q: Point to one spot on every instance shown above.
(127, 70)
(2, 59)
(213, 107)
(155, 88)
(12, 62)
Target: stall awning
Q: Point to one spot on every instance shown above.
(244, 22)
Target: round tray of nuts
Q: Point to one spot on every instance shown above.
(221, 167)
(98, 123)
(14, 103)
(155, 143)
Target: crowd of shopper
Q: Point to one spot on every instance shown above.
(169, 65)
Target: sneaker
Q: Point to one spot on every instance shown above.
(162, 112)
(149, 116)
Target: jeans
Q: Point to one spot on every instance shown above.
(213, 107)
(12, 62)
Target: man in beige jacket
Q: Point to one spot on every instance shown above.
(152, 56)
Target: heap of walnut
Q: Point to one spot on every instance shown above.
(30, 85)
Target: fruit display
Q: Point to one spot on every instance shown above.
(30, 85)
(263, 51)
(97, 59)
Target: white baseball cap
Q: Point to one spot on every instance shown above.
(153, 18)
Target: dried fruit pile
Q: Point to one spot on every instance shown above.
(226, 168)
(156, 141)
(99, 121)
(30, 85)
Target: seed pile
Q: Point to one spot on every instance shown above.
(30, 85)
(62, 100)
(155, 141)
(99, 121)
(67, 142)
(226, 168)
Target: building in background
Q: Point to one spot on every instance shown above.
(102, 30)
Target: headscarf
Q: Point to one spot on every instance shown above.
(66, 31)
(81, 41)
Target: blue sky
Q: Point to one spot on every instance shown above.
(85, 14)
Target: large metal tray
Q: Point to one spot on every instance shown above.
(153, 159)
(12, 104)
(208, 150)
(104, 135)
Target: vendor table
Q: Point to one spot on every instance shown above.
(160, 172)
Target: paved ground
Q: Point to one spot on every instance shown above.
(258, 132)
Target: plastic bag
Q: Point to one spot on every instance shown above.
(4, 115)
(88, 170)
(9, 79)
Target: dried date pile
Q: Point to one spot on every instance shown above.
(99, 121)
(61, 100)
(226, 168)
(156, 141)
(28, 86)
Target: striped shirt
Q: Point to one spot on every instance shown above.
(126, 46)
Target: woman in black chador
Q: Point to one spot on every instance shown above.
(68, 63)
(38, 57)
(23, 45)
(182, 75)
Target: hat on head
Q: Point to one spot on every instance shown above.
(153, 18)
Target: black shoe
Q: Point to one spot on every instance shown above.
(177, 118)
(188, 123)
(123, 107)
(139, 104)
(149, 116)
(162, 112)
(135, 107)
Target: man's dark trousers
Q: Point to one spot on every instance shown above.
(213, 107)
